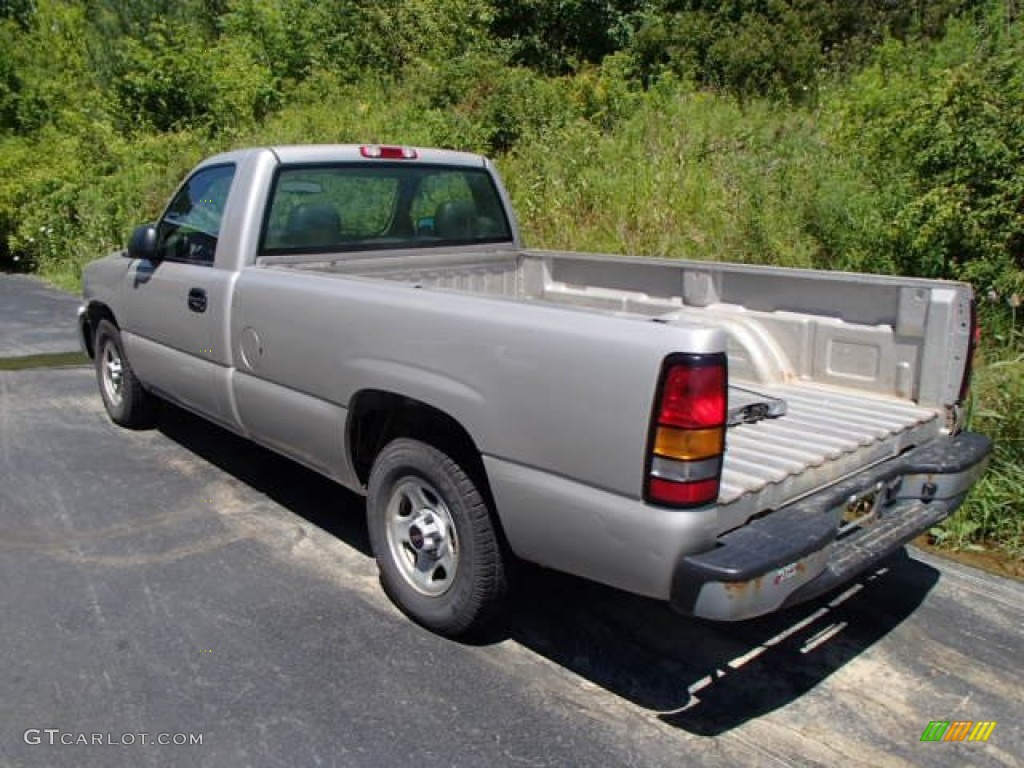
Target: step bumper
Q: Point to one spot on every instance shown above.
(821, 541)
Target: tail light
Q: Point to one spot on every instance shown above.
(972, 346)
(687, 439)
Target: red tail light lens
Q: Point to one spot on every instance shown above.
(687, 440)
(692, 494)
(693, 398)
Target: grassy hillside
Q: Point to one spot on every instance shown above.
(823, 134)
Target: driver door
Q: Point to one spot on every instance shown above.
(177, 303)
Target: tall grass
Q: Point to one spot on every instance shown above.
(993, 516)
(694, 175)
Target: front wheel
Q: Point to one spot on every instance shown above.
(434, 539)
(127, 403)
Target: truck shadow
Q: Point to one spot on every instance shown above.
(313, 497)
(701, 677)
(705, 677)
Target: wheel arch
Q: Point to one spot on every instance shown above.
(376, 417)
(88, 321)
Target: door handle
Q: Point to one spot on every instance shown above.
(197, 300)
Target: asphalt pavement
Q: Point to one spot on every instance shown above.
(186, 585)
(34, 318)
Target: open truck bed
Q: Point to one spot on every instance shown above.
(866, 366)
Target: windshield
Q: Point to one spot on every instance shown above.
(390, 205)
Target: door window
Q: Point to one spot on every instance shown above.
(190, 227)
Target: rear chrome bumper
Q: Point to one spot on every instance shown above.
(804, 549)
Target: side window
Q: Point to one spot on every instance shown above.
(190, 227)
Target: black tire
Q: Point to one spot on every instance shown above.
(127, 403)
(464, 598)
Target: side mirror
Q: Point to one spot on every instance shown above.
(142, 244)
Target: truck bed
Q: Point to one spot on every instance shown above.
(861, 362)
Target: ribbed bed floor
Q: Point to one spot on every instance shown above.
(821, 425)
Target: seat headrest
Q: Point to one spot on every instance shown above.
(314, 224)
(456, 219)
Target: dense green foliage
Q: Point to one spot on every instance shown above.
(871, 135)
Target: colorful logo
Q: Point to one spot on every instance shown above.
(958, 730)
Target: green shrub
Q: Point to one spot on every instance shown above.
(77, 198)
(780, 48)
(940, 130)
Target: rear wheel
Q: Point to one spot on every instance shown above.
(127, 403)
(434, 539)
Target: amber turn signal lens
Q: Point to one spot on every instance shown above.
(689, 444)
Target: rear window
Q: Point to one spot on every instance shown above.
(388, 205)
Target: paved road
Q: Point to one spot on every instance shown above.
(181, 581)
(35, 318)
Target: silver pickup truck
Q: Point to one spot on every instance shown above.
(732, 439)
